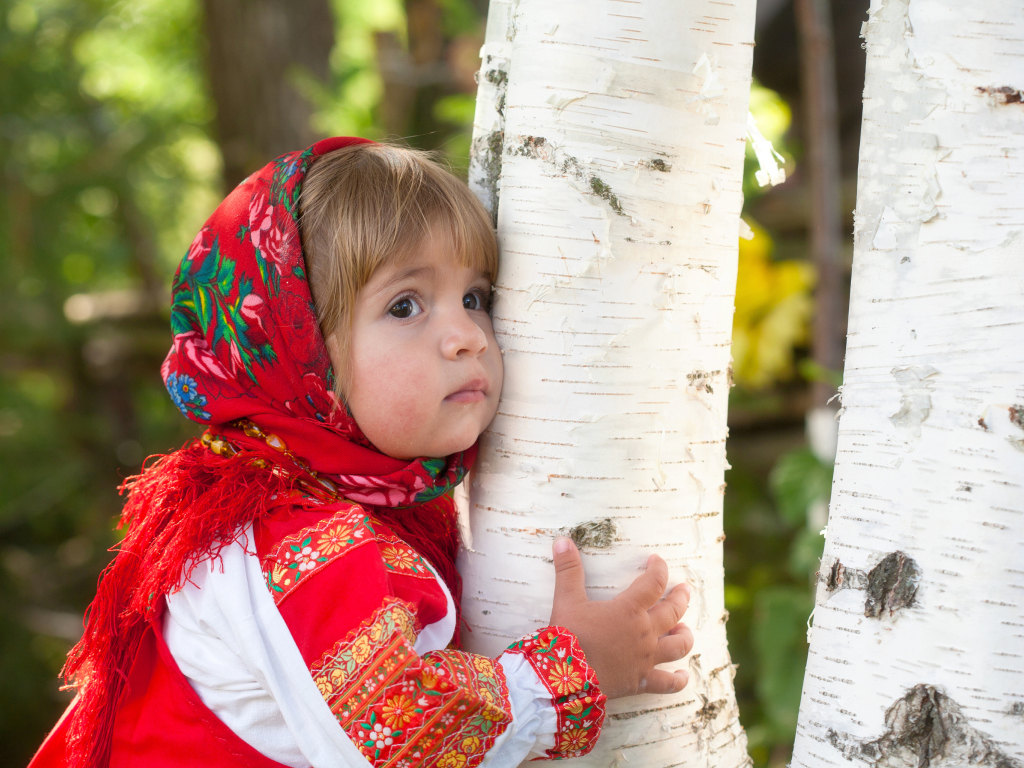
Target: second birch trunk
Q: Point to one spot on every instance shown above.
(917, 647)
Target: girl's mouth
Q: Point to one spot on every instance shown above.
(471, 392)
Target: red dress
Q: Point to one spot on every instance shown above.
(354, 597)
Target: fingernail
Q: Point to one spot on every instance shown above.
(685, 676)
(561, 545)
(688, 590)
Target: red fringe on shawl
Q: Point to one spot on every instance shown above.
(182, 509)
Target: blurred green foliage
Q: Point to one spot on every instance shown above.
(106, 166)
(109, 167)
(775, 510)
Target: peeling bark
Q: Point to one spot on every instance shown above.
(891, 585)
(594, 534)
(927, 508)
(925, 729)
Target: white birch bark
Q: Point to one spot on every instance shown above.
(917, 658)
(614, 132)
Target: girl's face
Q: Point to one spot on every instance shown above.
(424, 368)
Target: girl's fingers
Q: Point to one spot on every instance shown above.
(674, 645)
(662, 681)
(648, 587)
(667, 613)
(570, 582)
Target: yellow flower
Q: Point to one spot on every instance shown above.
(334, 539)
(576, 705)
(404, 624)
(326, 689)
(398, 711)
(429, 677)
(564, 679)
(573, 739)
(277, 573)
(361, 649)
(402, 559)
(376, 631)
(470, 745)
(493, 713)
(452, 760)
(337, 677)
(483, 664)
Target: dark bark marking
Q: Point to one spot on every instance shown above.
(528, 147)
(536, 147)
(487, 150)
(571, 167)
(836, 576)
(925, 729)
(892, 585)
(1017, 415)
(711, 709)
(1005, 94)
(594, 534)
(840, 577)
(701, 380)
(603, 191)
(497, 77)
(657, 164)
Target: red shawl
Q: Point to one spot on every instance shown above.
(247, 345)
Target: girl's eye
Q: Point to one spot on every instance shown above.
(404, 308)
(475, 300)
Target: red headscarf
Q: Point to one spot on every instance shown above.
(247, 345)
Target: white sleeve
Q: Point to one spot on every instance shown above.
(534, 722)
(225, 632)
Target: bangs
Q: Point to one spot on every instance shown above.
(452, 214)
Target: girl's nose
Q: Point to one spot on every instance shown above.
(462, 336)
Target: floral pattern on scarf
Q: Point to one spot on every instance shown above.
(247, 343)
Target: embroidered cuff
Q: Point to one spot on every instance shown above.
(556, 657)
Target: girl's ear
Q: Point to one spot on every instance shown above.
(334, 350)
(337, 353)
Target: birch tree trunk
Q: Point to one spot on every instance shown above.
(612, 131)
(917, 650)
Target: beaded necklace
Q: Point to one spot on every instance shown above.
(309, 480)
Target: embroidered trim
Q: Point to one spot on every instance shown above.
(399, 557)
(296, 557)
(555, 655)
(443, 709)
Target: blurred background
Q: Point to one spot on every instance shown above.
(123, 122)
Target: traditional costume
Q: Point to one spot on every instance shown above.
(285, 593)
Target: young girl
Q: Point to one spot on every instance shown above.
(286, 592)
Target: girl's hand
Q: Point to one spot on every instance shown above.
(623, 638)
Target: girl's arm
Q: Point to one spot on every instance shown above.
(357, 602)
(455, 709)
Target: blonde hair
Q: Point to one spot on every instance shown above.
(368, 206)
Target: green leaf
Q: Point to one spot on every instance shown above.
(780, 641)
(805, 552)
(797, 481)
